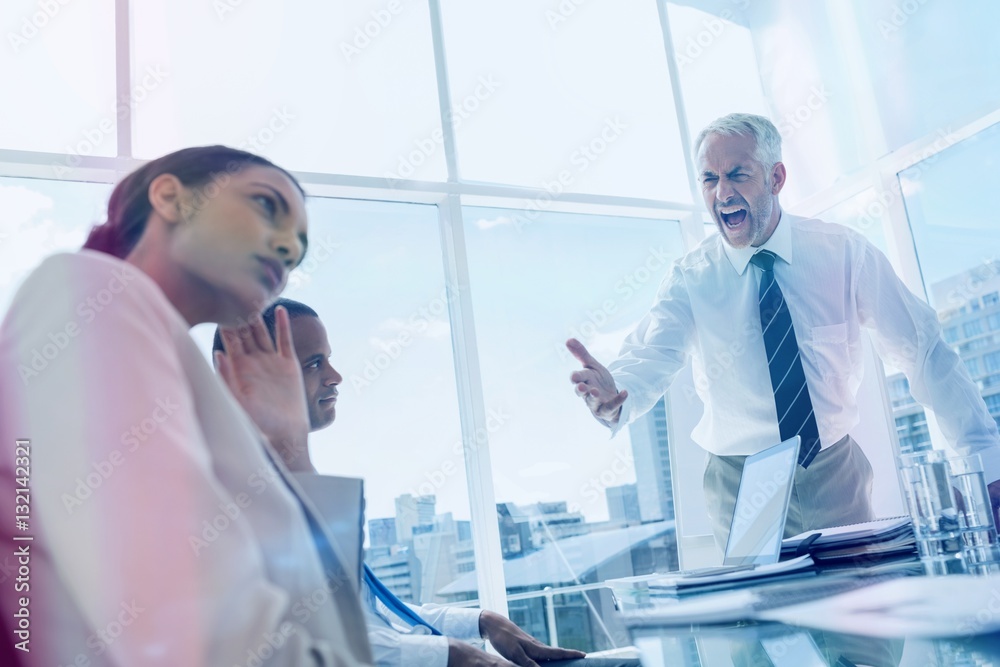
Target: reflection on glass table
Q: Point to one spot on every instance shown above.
(766, 645)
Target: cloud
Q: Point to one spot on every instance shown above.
(485, 224)
(390, 329)
(544, 469)
(28, 233)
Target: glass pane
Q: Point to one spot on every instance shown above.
(715, 47)
(573, 506)
(375, 275)
(913, 54)
(957, 242)
(864, 213)
(58, 65)
(41, 218)
(567, 96)
(329, 87)
(814, 99)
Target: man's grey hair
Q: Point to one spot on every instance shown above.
(763, 131)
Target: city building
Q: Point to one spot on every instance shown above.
(968, 306)
(584, 620)
(623, 504)
(651, 458)
(381, 532)
(413, 511)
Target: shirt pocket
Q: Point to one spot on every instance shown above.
(830, 351)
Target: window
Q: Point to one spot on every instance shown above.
(565, 97)
(953, 229)
(315, 86)
(972, 365)
(973, 328)
(391, 340)
(992, 361)
(40, 218)
(562, 485)
(559, 113)
(58, 63)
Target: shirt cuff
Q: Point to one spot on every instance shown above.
(626, 412)
(423, 651)
(461, 623)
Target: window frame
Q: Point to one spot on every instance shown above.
(452, 194)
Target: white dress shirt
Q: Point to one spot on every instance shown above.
(163, 535)
(396, 643)
(834, 283)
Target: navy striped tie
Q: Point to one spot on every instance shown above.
(788, 381)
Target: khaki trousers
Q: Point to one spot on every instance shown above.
(835, 489)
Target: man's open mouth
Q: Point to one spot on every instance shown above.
(733, 216)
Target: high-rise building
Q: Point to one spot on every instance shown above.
(399, 569)
(651, 455)
(413, 511)
(623, 504)
(968, 306)
(381, 532)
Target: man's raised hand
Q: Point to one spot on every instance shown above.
(595, 384)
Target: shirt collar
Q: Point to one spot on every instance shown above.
(780, 243)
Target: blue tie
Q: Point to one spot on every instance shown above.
(788, 381)
(395, 605)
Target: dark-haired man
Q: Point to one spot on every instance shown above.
(396, 640)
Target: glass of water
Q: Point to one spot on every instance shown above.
(975, 514)
(931, 501)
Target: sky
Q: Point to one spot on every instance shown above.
(548, 111)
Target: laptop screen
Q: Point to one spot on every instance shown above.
(762, 505)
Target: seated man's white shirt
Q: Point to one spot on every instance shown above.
(835, 283)
(396, 643)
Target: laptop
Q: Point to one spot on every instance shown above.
(758, 523)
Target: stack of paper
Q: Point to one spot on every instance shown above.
(727, 578)
(873, 541)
